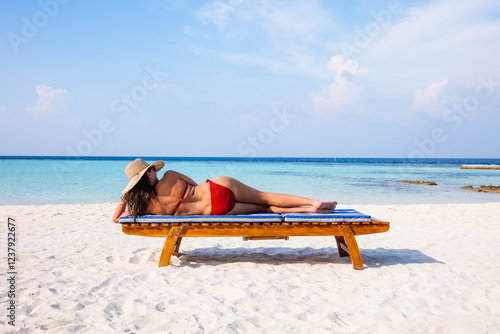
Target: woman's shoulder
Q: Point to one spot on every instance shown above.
(170, 176)
(170, 180)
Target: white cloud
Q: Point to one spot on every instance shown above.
(420, 47)
(258, 59)
(218, 11)
(49, 100)
(339, 64)
(434, 100)
(454, 39)
(279, 19)
(286, 35)
(343, 93)
(296, 20)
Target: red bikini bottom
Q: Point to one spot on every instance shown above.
(222, 199)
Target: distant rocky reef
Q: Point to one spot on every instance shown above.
(480, 167)
(486, 189)
(427, 183)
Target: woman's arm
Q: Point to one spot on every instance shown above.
(120, 209)
(187, 179)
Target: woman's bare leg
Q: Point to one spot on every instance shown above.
(299, 209)
(246, 194)
(247, 208)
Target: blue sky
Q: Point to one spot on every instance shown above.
(409, 79)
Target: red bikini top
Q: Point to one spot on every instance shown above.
(180, 201)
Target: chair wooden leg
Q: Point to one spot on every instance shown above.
(177, 246)
(169, 245)
(352, 245)
(342, 247)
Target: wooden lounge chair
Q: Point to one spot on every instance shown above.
(343, 224)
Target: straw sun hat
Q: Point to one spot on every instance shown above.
(136, 169)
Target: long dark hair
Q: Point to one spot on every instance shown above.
(139, 196)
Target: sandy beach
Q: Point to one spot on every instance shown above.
(435, 271)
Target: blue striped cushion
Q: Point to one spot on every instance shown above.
(251, 218)
(341, 215)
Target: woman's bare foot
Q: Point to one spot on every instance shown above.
(324, 205)
(314, 209)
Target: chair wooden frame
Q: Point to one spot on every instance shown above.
(344, 233)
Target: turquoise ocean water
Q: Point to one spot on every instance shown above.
(59, 180)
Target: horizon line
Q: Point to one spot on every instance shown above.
(124, 157)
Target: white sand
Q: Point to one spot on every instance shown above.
(436, 271)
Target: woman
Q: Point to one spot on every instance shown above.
(177, 194)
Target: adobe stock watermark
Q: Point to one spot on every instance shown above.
(454, 117)
(31, 26)
(365, 35)
(253, 144)
(121, 107)
(258, 142)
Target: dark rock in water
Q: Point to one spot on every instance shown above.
(427, 183)
(490, 189)
(483, 188)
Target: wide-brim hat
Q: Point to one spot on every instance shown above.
(136, 169)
